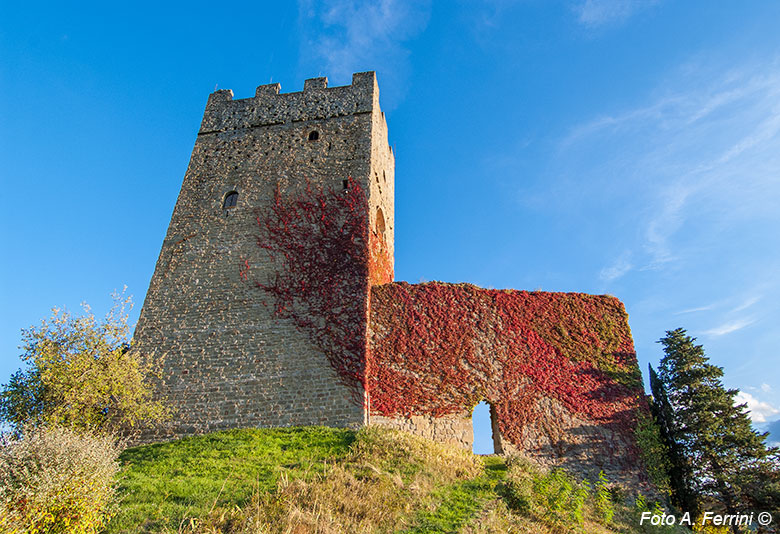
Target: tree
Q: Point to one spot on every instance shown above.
(680, 475)
(81, 374)
(720, 457)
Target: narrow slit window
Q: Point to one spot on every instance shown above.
(231, 199)
(345, 184)
(314, 135)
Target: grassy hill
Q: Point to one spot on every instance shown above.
(315, 479)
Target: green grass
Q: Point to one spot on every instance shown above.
(316, 479)
(166, 483)
(456, 505)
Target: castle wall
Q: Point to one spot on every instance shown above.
(558, 369)
(229, 359)
(454, 429)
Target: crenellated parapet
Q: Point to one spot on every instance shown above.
(269, 107)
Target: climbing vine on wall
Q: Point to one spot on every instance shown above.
(436, 348)
(439, 348)
(318, 238)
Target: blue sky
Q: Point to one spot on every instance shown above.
(623, 147)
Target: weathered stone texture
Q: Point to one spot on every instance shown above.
(228, 361)
(455, 429)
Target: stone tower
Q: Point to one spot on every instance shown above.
(229, 360)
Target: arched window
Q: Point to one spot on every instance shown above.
(314, 135)
(231, 199)
(380, 223)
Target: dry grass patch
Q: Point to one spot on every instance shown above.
(375, 488)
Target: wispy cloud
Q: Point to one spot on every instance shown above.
(729, 327)
(747, 304)
(760, 411)
(705, 149)
(742, 306)
(346, 36)
(695, 310)
(617, 269)
(594, 13)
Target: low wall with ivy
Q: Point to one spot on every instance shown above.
(559, 370)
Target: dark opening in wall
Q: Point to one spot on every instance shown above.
(345, 183)
(314, 135)
(231, 199)
(380, 223)
(485, 426)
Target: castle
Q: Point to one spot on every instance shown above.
(273, 303)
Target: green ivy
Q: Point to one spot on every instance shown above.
(653, 452)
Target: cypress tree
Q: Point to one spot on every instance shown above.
(680, 474)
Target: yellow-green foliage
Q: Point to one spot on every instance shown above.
(653, 451)
(554, 497)
(80, 374)
(54, 480)
(709, 528)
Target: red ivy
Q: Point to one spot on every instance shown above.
(319, 236)
(439, 348)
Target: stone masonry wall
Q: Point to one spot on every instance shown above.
(558, 370)
(455, 429)
(229, 361)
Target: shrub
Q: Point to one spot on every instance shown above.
(554, 497)
(54, 480)
(603, 499)
(653, 451)
(80, 374)
(641, 505)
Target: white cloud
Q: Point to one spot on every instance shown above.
(346, 36)
(661, 227)
(766, 388)
(747, 304)
(729, 327)
(595, 13)
(694, 310)
(759, 410)
(617, 269)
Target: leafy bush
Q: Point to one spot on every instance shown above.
(709, 528)
(81, 374)
(554, 496)
(602, 497)
(54, 480)
(653, 451)
(641, 505)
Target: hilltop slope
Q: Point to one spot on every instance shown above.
(316, 479)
